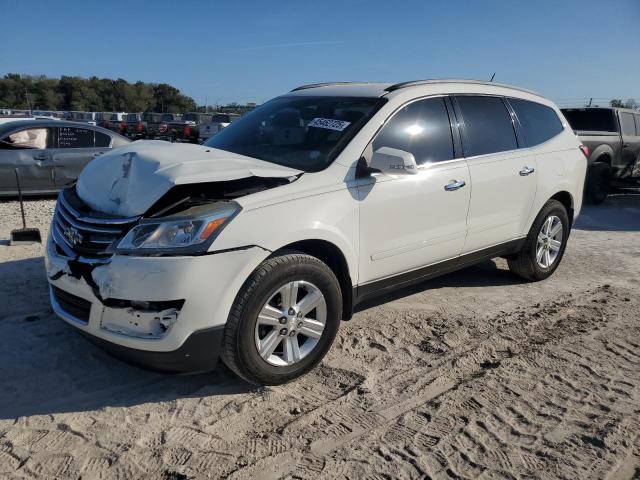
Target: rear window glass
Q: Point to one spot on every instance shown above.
(190, 117)
(132, 117)
(221, 118)
(487, 124)
(168, 117)
(540, 123)
(591, 119)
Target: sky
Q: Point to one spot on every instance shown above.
(250, 51)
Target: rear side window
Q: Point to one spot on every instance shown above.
(421, 128)
(72, 137)
(540, 123)
(627, 125)
(102, 140)
(488, 125)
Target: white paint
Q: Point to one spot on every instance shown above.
(383, 225)
(128, 180)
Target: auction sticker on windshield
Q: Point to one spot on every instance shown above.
(329, 123)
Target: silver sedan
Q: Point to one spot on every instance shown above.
(49, 154)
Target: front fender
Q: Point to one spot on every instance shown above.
(331, 216)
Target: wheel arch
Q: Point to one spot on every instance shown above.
(566, 199)
(335, 259)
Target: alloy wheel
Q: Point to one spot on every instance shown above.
(290, 324)
(549, 242)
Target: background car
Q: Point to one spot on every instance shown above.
(612, 136)
(49, 154)
(218, 122)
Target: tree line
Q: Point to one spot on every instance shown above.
(93, 94)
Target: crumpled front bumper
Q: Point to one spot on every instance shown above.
(207, 286)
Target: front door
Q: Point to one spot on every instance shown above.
(29, 151)
(412, 221)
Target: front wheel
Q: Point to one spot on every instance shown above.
(544, 245)
(284, 319)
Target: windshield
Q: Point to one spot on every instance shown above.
(305, 133)
(591, 119)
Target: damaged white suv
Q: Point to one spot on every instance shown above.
(253, 246)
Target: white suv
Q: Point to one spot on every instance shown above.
(253, 246)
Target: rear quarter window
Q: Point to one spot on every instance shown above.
(539, 122)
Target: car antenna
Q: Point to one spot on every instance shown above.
(492, 77)
(24, 235)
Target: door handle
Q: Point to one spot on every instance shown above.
(526, 171)
(41, 156)
(454, 185)
(97, 154)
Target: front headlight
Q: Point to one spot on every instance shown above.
(179, 235)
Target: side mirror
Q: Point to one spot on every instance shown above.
(392, 161)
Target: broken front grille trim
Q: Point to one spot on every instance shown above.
(86, 235)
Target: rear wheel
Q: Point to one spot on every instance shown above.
(545, 244)
(284, 319)
(598, 183)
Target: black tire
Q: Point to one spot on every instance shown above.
(598, 183)
(524, 263)
(239, 350)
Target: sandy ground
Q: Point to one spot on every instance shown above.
(474, 375)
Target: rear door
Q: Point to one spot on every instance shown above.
(413, 221)
(503, 176)
(29, 150)
(75, 148)
(630, 133)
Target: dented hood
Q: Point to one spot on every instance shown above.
(130, 179)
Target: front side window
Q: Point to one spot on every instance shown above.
(31, 138)
(73, 137)
(487, 124)
(421, 128)
(627, 125)
(539, 122)
(301, 132)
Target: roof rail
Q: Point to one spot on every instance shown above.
(414, 83)
(325, 84)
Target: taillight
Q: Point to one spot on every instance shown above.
(139, 127)
(123, 126)
(187, 131)
(585, 150)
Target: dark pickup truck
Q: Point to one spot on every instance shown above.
(148, 124)
(188, 129)
(612, 136)
(158, 125)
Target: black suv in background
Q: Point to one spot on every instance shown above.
(612, 136)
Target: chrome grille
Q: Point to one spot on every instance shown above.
(77, 230)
